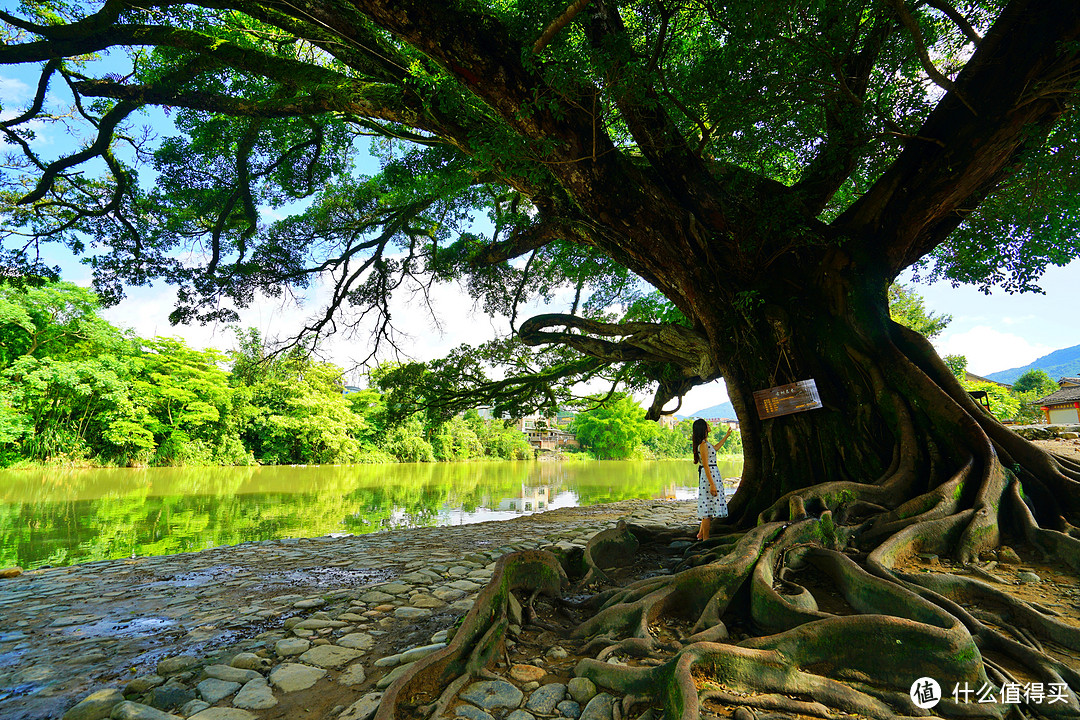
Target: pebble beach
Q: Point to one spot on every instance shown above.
(308, 628)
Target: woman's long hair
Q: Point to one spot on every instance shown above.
(701, 431)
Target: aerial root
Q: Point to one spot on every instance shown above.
(1014, 613)
(700, 593)
(940, 502)
(609, 548)
(479, 637)
(780, 703)
(1051, 542)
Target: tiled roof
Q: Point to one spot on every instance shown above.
(1069, 394)
(1074, 381)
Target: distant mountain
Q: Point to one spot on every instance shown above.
(1058, 364)
(723, 410)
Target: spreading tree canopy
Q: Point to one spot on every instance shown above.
(721, 190)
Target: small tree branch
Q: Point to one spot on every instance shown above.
(558, 24)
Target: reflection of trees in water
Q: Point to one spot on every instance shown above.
(61, 516)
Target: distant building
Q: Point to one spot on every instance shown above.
(1062, 406)
(544, 433)
(668, 421)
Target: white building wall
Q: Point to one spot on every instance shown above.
(1059, 416)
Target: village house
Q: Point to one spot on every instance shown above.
(1063, 406)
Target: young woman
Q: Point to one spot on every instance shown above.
(711, 502)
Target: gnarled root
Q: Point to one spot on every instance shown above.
(479, 638)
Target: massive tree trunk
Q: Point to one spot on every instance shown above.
(899, 462)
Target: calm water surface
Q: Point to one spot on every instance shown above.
(62, 516)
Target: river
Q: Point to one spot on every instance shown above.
(58, 516)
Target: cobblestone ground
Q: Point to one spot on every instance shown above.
(311, 611)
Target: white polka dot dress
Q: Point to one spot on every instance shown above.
(707, 504)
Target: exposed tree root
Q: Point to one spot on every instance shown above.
(816, 610)
(477, 641)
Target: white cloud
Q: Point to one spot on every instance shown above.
(989, 350)
(13, 90)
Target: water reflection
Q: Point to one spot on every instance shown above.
(64, 516)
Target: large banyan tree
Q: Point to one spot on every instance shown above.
(716, 189)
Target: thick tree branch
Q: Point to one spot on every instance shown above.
(640, 341)
(932, 186)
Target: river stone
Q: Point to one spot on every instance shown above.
(448, 594)
(1028, 577)
(362, 709)
(374, 596)
(520, 715)
(250, 661)
(353, 675)
(545, 698)
(255, 695)
(291, 646)
(514, 609)
(418, 652)
(357, 641)
(309, 603)
(388, 661)
(557, 652)
(290, 677)
(1007, 555)
(464, 585)
(169, 696)
(411, 613)
(426, 601)
(329, 656)
(128, 710)
(319, 624)
(416, 577)
(223, 713)
(526, 673)
(582, 690)
(471, 712)
(212, 690)
(142, 684)
(193, 706)
(95, 706)
(490, 694)
(568, 708)
(176, 665)
(395, 588)
(599, 708)
(386, 680)
(231, 674)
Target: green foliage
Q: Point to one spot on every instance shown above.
(81, 392)
(957, 365)
(1003, 405)
(1035, 382)
(614, 428)
(908, 308)
(1028, 389)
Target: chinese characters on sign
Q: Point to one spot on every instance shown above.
(787, 399)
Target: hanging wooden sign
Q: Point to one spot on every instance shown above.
(787, 399)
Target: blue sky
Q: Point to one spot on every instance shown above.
(995, 332)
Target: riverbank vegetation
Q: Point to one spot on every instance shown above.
(74, 389)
